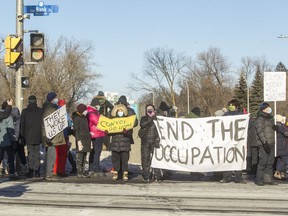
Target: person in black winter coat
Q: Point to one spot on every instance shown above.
(149, 140)
(83, 139)
(120, 144)
(31, 132)
(266, 142)
(233, 109)
(282, 147)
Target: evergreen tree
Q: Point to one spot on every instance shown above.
(240, 91)
(257, 93)
(281, 67)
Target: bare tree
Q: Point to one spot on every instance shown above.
(162, 69)
(208, 79)
(67, 70)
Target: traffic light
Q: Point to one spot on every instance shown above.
(37, 47)
(11, 54)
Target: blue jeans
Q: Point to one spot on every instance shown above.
(96, 153)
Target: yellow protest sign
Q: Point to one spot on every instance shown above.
(116, 125)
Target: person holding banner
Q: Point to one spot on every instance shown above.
(149, 140)
(105, 107)
(49, 107)
(120, 144)
(266, 142)
(233, 109)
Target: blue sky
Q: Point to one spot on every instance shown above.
(122, 30)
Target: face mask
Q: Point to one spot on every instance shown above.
(120, 114)
(97, 107)
(55, 101)
(269, 110)
(85, 113)
(151, 113)
(232, 108)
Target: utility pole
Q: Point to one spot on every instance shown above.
(188, 101)
(20, 64)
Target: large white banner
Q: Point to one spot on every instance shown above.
(275, 86)
(56, 122)
(202, 144)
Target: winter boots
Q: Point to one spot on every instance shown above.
(30, 173)
(115, 175)
(125, 176)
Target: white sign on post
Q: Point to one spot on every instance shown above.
(274, 86)
(56, 122)
(202, 144)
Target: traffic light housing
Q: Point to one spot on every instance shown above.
(12, 55)
(37, 47)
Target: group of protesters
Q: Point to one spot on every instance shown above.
(27, 129)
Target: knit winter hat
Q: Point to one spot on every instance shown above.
(32, 99)
(100, 93)
(50, 96)
(163, 106)
(61, 102)
(196, 111)
(81, 108)
(95, 102)
(263, 106)
(122, 100)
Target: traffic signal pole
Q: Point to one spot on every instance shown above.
(19, 69)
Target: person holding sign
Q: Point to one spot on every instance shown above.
(233, 109)
(149, 140)
(49, 107)
(120, 144)
(266, 142)
(83, 140)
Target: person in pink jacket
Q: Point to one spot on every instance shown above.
(97, 138)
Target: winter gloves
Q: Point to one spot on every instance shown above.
(275, 128)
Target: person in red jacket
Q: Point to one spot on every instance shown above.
(97, 137)
(61, 151)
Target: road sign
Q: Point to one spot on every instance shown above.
(25, 83)
(275, 86)
(41, 9)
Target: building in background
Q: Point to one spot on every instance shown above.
(114, 96)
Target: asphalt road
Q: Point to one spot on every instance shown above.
(181, 194)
